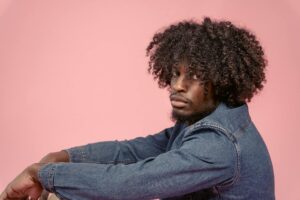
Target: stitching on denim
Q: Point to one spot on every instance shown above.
(50, 179)
(114, 162)
(232, 138)
(238, 149)
(53, 190)
(83, 154)
(61, 197)
(83, 157)
(238, 173)
(216, 189)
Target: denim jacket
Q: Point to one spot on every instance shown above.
(221, 156)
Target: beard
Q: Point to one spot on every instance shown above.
(189, 119)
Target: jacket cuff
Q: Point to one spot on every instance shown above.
(46, 176)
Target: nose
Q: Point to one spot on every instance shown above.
(179, 84)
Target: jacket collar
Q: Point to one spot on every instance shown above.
(230, 118)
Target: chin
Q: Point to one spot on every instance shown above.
(185, 117)
(179, 116)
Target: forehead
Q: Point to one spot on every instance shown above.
(182, 67)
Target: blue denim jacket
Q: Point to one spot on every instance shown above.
(222, 156)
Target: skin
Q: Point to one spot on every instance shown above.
(26, 185)
(188, 99)
(189, 104)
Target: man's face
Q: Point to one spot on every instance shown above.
(188, 98)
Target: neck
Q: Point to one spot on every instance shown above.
(198, 116)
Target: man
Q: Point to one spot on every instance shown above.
(212, 69)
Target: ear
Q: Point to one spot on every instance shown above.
(209, 91)
(207, 87)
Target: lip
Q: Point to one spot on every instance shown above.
(178, 98)
(178, 104)
(178, 101)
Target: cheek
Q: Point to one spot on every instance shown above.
(197, 96)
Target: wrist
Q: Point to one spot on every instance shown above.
(60, 156)
(34, 170)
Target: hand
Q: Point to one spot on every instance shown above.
(25, 185)
(44, 195)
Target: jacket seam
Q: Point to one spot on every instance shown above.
(233, 140)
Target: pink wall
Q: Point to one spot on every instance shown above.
(74, 71)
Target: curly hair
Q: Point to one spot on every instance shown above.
(228, 57)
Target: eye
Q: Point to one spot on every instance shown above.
(195, 77)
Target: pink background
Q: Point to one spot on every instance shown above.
(74, 71)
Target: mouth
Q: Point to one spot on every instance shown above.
(178, 101)
(178, 104)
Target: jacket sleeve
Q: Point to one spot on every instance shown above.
(127, 151)
(204, 160)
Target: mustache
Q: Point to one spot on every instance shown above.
(177, 96)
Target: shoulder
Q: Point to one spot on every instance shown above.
(225, 119)
(210, 143)
(213, 147)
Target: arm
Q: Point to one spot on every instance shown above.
(59, 156)
(127, 151)
(205, 159)
(112, 151)
(27, 184)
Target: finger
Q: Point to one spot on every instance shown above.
(35, 192)
(45, 195)
(52, 196)
(3, 195)
(11, 194)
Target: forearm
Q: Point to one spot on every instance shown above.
(175, 172)
(59, 156)
(159, 177)
(142, 180)
(53, 157)
(115, 152)
(33, 170)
